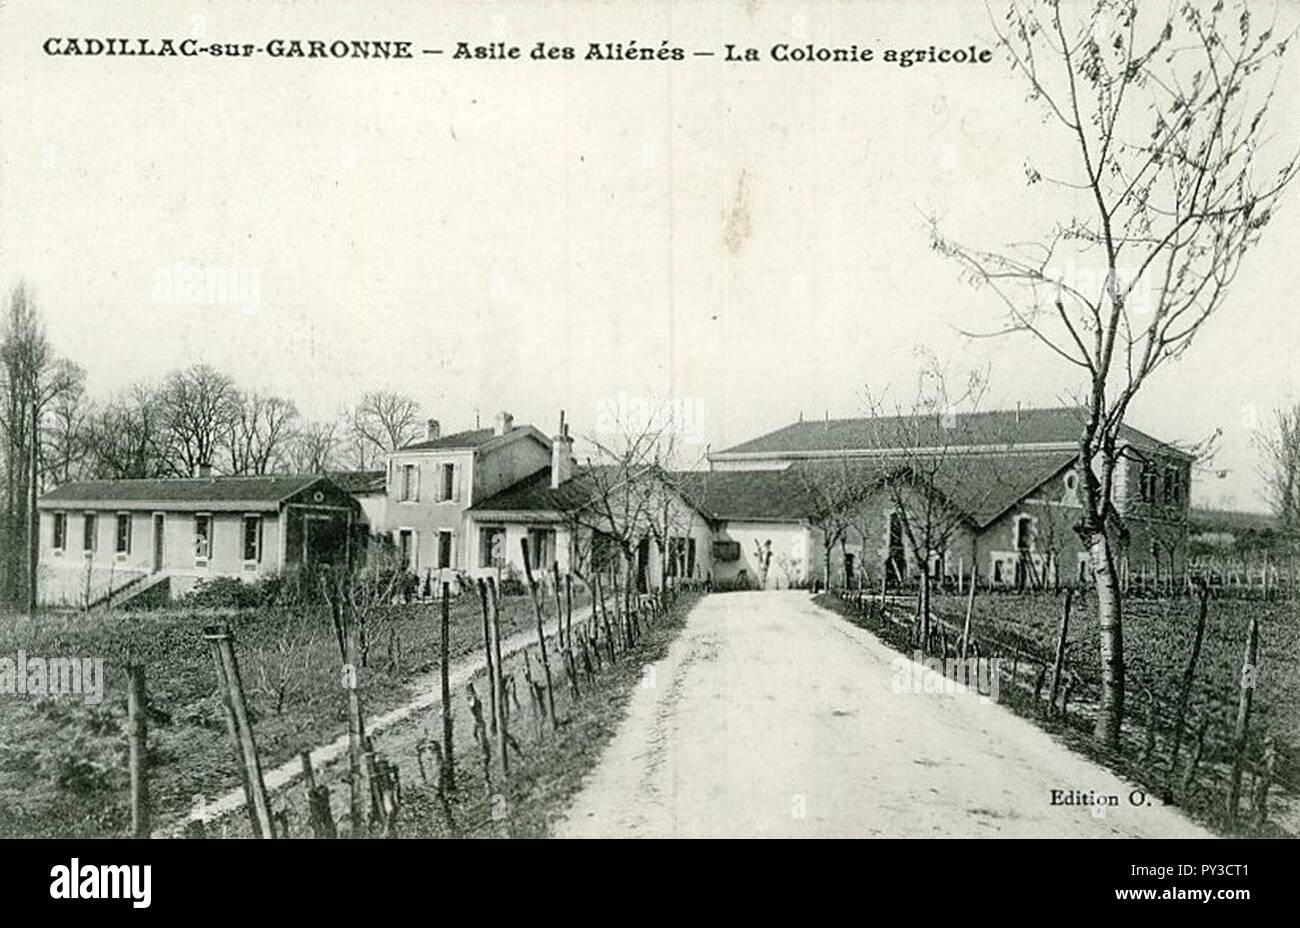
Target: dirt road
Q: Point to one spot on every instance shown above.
(773, 717)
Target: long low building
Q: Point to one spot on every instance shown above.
(106, 539)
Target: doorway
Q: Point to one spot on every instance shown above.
(159, 524)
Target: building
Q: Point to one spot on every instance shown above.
(1009, 477)
(431, 485)
(104, 540)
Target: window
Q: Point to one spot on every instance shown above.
(123, 545)
(448, 481)
(690, 557)
(541, 548)
(253, 539)
(410, 489)
(444, 549)
(60, 531)
(1147, 483)
(1173, 485)
(406, 548)
(202, 538)
(492, 547)
(89, 531)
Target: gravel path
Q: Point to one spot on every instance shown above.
(773, 717)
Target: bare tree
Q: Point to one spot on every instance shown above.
(1279, 449)
(32, 380)
(382, 421)
(314, 448)
(835, 490)
(259, 433)
(929, 484)
(128, 438)
(1164, 194)
(198, 405)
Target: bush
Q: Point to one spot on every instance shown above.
(233, 593)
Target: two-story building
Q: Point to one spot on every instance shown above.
(432, 483)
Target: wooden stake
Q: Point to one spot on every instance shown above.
(970, 611)
(448, 759)
(541, 632)
(502, 709)
(248, 747)
(1185, 690)
(1059, 662)
(1242, 729)
(492, 671)
(137, 707)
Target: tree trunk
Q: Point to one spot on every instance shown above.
(1110, 631)
(925, 607)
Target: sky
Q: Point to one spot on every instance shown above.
(748, 240)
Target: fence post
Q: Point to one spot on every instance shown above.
(223, 645)
(1185, 691)
(137, 706)
(970, 609)
(541, 632)
(1242, 728)
(503, 708)
(1059, 660)
(318, 802)
(444, 673)
(492, 671)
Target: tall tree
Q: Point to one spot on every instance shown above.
(32, 380)
(381, 421)
(199, 406)
(314, 448)
(1164, 191)
(128, 437)
(259, 434)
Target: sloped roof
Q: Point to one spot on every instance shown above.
(761, 495)
(1023, 428)
(985, 486)
(476, 439)
(183, 492)
(359, 481)
(534, 493)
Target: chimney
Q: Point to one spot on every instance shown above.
(505, 422)
(561, 455)
(433, 430)
(202, 470)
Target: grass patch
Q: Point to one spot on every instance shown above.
(63, 768)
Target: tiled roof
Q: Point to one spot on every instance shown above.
(1022, 428)
(227, 492)
(982, 486)
(473, 438)
(535, 494)
(779, 495)
(359, 481)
